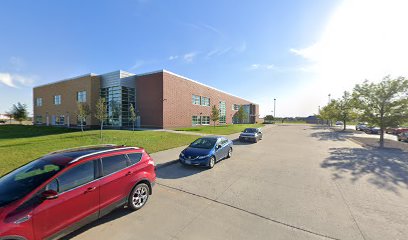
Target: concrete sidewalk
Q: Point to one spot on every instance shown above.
(170, 156)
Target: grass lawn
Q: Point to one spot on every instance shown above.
(220, 130)
(20, 144)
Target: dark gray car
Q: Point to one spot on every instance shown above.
(251, 134)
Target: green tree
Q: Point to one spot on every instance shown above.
(133, 116)
(19, 112)
(83, 113)
(268, 118)
(383, 104)
(241, 114)
(215, 114)
(344, 109)
(328, 112)
(101, 112)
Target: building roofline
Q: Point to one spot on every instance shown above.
(68, 79)
(191, 80)
(148, 73)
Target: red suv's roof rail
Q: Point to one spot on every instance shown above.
(102, 151)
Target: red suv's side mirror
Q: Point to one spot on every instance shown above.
(49, 194)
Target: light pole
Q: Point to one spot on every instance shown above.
(274, 107)
(329, 97)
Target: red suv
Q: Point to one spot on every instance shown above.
(62, 191)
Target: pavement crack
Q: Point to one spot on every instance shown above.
(349, 209)
(248, 212)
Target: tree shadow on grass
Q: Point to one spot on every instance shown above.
(386, 168)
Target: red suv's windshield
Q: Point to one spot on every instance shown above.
(22, 181)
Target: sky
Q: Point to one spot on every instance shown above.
(296, 51)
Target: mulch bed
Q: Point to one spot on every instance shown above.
(374, 143)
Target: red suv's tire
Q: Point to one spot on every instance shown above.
(138, 196)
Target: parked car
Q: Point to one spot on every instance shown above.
(251, 134)
(361, 126)
(403, 137)
(338, 123)
(206, 151)
(2, 121)
(400, 130)
(390, 130)
(372, 130)
(62, 191)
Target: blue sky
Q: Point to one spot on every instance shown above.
(259, 50)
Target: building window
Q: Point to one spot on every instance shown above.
(60, 120)
(235, 107)
(57, 99)
(196, 99)
(205, 120)
(223, 112)
(38, 120)
(81, 96)
(118, 100)
(196, 120)
(205, 101)
(38, 102)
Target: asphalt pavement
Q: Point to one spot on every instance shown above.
(299, 182)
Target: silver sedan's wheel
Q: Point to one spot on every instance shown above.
(229, 153)
(139, 196)
(211, 163)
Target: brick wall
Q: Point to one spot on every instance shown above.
(68, 91)
(177, 105)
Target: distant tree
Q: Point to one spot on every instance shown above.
(344, 109)
(19, 112)
(241, 114)
(215, 114)
(269, 118)
(328, 112)
(83, 113)
(383, 104)
(133, 116)
(101, 112)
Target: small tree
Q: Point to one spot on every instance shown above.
(383, 104)
(19, 112)
(343, 109)
(268, 119)
(215, 114)
(133, 116)
(101, 112)
(241, 114)
(329, 112)
(83, 113)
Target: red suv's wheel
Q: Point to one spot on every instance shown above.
(139, 196)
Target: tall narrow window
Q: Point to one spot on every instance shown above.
(38, 102)
(196, 99)
(57, 99)
(81, 96)
(223, 112)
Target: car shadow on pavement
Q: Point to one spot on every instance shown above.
(179, 170)
(385, 168)
(115, 214)
(238, 143)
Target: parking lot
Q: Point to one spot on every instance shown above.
(294, 184)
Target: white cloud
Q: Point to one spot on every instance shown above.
(257, 66)
(173, 57)
(15, 80)
(364, 39)
(189, 57)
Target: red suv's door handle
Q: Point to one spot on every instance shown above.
(90, 189)
(129, 173)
